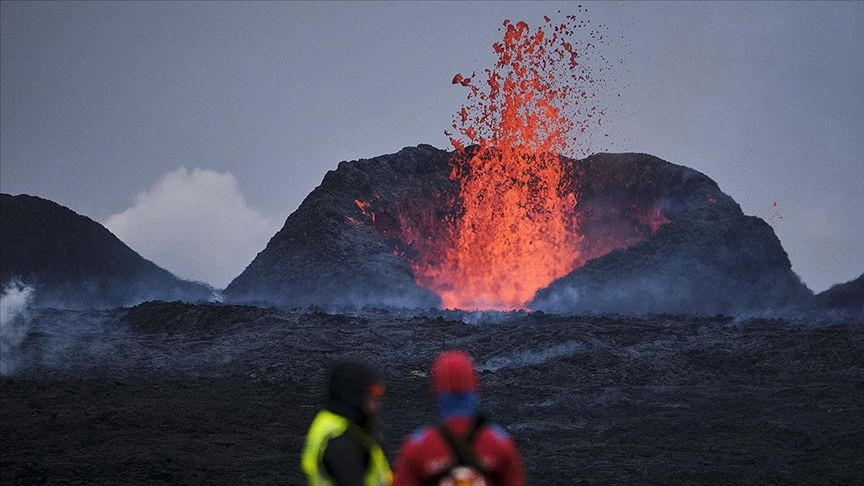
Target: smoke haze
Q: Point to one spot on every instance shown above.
(197, 224)
(15, 320)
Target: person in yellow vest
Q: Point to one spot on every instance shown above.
(341, 446)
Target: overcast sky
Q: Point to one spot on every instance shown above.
(109, 107)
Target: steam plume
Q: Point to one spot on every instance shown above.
(15, 321)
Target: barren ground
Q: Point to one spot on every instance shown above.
(219, 394)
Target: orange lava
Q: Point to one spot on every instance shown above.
(516, 230)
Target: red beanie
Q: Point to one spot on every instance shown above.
(453, 372)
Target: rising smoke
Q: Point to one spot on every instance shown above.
(197, 224)
(15, 320)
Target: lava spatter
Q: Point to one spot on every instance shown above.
(515, 230)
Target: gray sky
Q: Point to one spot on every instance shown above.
(103, 104)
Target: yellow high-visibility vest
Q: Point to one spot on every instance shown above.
(326, 426)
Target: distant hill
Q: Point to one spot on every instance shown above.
(842, 300)
(75, 262)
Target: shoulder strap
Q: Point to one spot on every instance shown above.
(377, 466)
(364, 438)
(463, 448)
(479, 423)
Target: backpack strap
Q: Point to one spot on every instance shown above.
(463, 449)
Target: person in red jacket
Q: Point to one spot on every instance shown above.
(463, 448)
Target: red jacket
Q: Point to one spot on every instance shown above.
(426, 453)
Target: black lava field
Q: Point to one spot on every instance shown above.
(180, 393)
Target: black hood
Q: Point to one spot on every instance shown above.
(348, 384)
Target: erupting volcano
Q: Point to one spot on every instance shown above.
(515, 229)
(509, 220)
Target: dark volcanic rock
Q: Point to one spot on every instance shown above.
(327, 254)
(842, 300)
(709, 258)
(171, 317)
(75, 262)
(682, 244)
(658, 399)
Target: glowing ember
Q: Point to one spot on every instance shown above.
(516, 229)
(656, 219)
(363, 206)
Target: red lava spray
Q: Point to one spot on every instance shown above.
(516, 229)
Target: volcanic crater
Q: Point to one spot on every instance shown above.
(651, 236)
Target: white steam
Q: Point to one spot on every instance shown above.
(531, 358)
(15, 321)
(196, 224)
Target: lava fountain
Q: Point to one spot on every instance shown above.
(514, 229)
